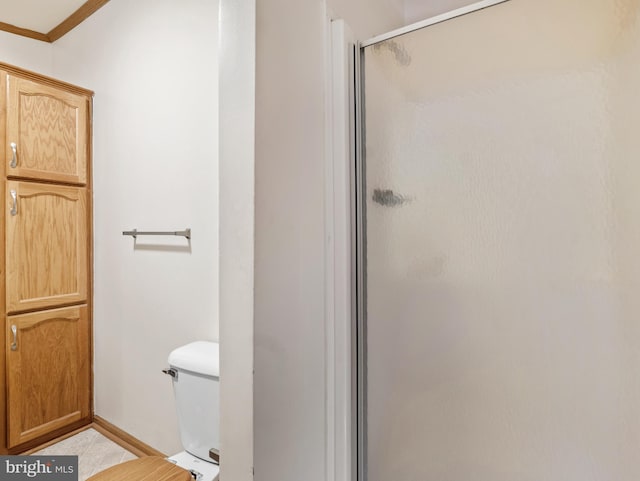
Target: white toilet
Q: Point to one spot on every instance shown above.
(195, 373)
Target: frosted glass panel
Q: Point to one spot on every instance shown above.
(503, 246)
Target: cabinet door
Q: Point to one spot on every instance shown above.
(46, 245)
(47, 132)
(48, 371)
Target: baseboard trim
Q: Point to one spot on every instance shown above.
(124, 439)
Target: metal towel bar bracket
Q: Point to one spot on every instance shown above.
(135, 233)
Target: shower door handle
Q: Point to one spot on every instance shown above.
(388, 198)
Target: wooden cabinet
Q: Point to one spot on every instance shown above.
(46, 245)
(48, 371)
(46, 132)
(45, 266)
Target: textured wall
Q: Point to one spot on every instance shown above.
(153, 66)
(417, 10)
(26, 53)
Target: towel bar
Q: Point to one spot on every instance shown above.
(135, 233)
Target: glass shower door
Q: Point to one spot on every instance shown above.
(502, 246)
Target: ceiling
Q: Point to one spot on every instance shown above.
(45, 20)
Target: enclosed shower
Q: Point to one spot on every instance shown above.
(499, 334)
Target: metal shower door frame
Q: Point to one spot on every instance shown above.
(358, 225)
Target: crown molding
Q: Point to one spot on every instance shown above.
(76, 18)
(7, 27)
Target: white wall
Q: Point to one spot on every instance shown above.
(368, 18)
(289, 396)
(26, 53)
(237, 159)
(153, 66)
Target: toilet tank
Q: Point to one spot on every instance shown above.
(196, 385)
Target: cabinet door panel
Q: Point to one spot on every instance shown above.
(46, 249)
(48, 371)
(49, 129)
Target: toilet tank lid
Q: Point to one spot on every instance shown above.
(202, 357)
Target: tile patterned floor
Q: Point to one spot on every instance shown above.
(95, 452)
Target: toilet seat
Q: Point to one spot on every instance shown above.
(150, 468)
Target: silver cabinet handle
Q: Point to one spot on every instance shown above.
(14, 344)
(14, 159)
(14, 207)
